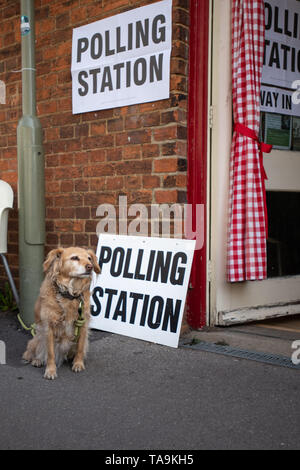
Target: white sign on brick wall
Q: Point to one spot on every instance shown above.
(122, 60)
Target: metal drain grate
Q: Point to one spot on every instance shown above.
(273, 359)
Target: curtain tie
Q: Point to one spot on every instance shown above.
(263, 148)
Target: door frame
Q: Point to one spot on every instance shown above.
(198, 98)
(233, 303)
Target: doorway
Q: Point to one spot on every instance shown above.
(279, 294)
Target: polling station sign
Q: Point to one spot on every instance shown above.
(282, 43)
(123, 59)
(142, 288)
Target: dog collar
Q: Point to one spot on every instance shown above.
(66, 294)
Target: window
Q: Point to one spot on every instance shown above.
(283, 247)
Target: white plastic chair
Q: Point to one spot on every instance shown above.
(6, 203)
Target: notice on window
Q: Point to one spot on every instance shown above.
(122, 60)
(278, 130)
(142, 287)
(282, 43)
(296, 134)
(277, 100)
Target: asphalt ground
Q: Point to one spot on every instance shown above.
(136, 395)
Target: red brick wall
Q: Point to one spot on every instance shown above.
(91, 158)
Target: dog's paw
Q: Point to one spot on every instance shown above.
(27, 356)
(36, 363)
(50, 373)
(78, 366)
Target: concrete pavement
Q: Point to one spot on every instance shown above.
(138, 395)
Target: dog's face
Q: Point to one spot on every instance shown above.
(71, 262)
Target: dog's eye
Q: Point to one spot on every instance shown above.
(89, 258)
(75, 258)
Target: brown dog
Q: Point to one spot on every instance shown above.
(66, 287)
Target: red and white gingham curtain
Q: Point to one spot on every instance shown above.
(248, 217)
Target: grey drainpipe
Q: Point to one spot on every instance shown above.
(31, 178)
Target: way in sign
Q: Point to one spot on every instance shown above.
(273, 100)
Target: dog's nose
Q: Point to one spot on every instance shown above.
(88, 267)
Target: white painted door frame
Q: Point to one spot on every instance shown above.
(241, 302)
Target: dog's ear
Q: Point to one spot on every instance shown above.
(94, 261)
(53, 256)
